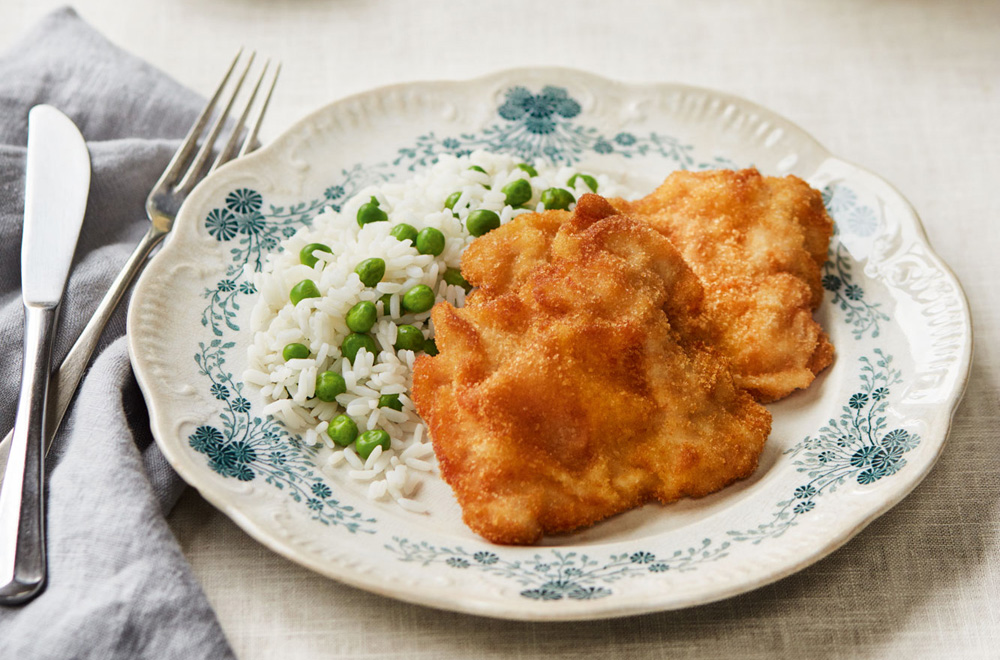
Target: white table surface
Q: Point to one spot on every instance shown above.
(909, 89)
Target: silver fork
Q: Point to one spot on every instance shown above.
(186, 169)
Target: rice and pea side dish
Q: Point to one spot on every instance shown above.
(344, 309)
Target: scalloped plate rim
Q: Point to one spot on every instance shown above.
(519, 610)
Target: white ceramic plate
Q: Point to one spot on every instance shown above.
(841, 453)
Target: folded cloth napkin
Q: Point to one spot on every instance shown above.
(119, 586)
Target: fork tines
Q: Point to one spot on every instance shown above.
(193, 168)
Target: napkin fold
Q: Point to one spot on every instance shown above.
(119, 585)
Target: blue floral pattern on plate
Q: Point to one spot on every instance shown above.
(542, 126)
(248, 447)
(860, 447)
(863, 316)
(557, 573)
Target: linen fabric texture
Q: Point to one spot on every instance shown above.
(119, 585)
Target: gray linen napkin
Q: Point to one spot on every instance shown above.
(119, 586)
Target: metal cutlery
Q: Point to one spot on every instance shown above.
(55, 199)
(186, 169)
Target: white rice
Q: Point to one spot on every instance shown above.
(288, 387)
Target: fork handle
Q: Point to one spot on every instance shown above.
(74, 365)
(22, 498)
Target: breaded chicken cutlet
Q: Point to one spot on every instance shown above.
(564, 393)
(758, 245)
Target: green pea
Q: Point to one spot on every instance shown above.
(454, 277)
(557, 198)
(404, 232)
(452, 199)
(386, 300)
(409, 338)
(527, 168)
(371, 271)
(370, 212)
(430, 347)
(430, 241)
(302, 290)
(418, 299)
(390, 401)
(354, 342)
(369, 440)
(517, 192)
(362, 316)
(482, 222)
(328, 385)
(587, 179)
(306, 253)
(295, 352)
(342, 430)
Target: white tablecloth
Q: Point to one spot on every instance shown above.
(910, 90)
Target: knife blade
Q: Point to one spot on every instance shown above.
(57, 184)
(55, 197)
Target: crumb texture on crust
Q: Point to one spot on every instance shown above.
(758, 245)
(570, 387)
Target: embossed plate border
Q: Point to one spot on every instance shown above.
(842, 453)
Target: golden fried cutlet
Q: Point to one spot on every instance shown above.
(502, 259)
(564, 395)
(758, 244)
(505, 257)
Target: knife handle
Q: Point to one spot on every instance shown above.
(22, 499)
(67, 377)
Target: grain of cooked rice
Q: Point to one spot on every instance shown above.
(289, 387)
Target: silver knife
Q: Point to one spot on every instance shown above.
(55, 198)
